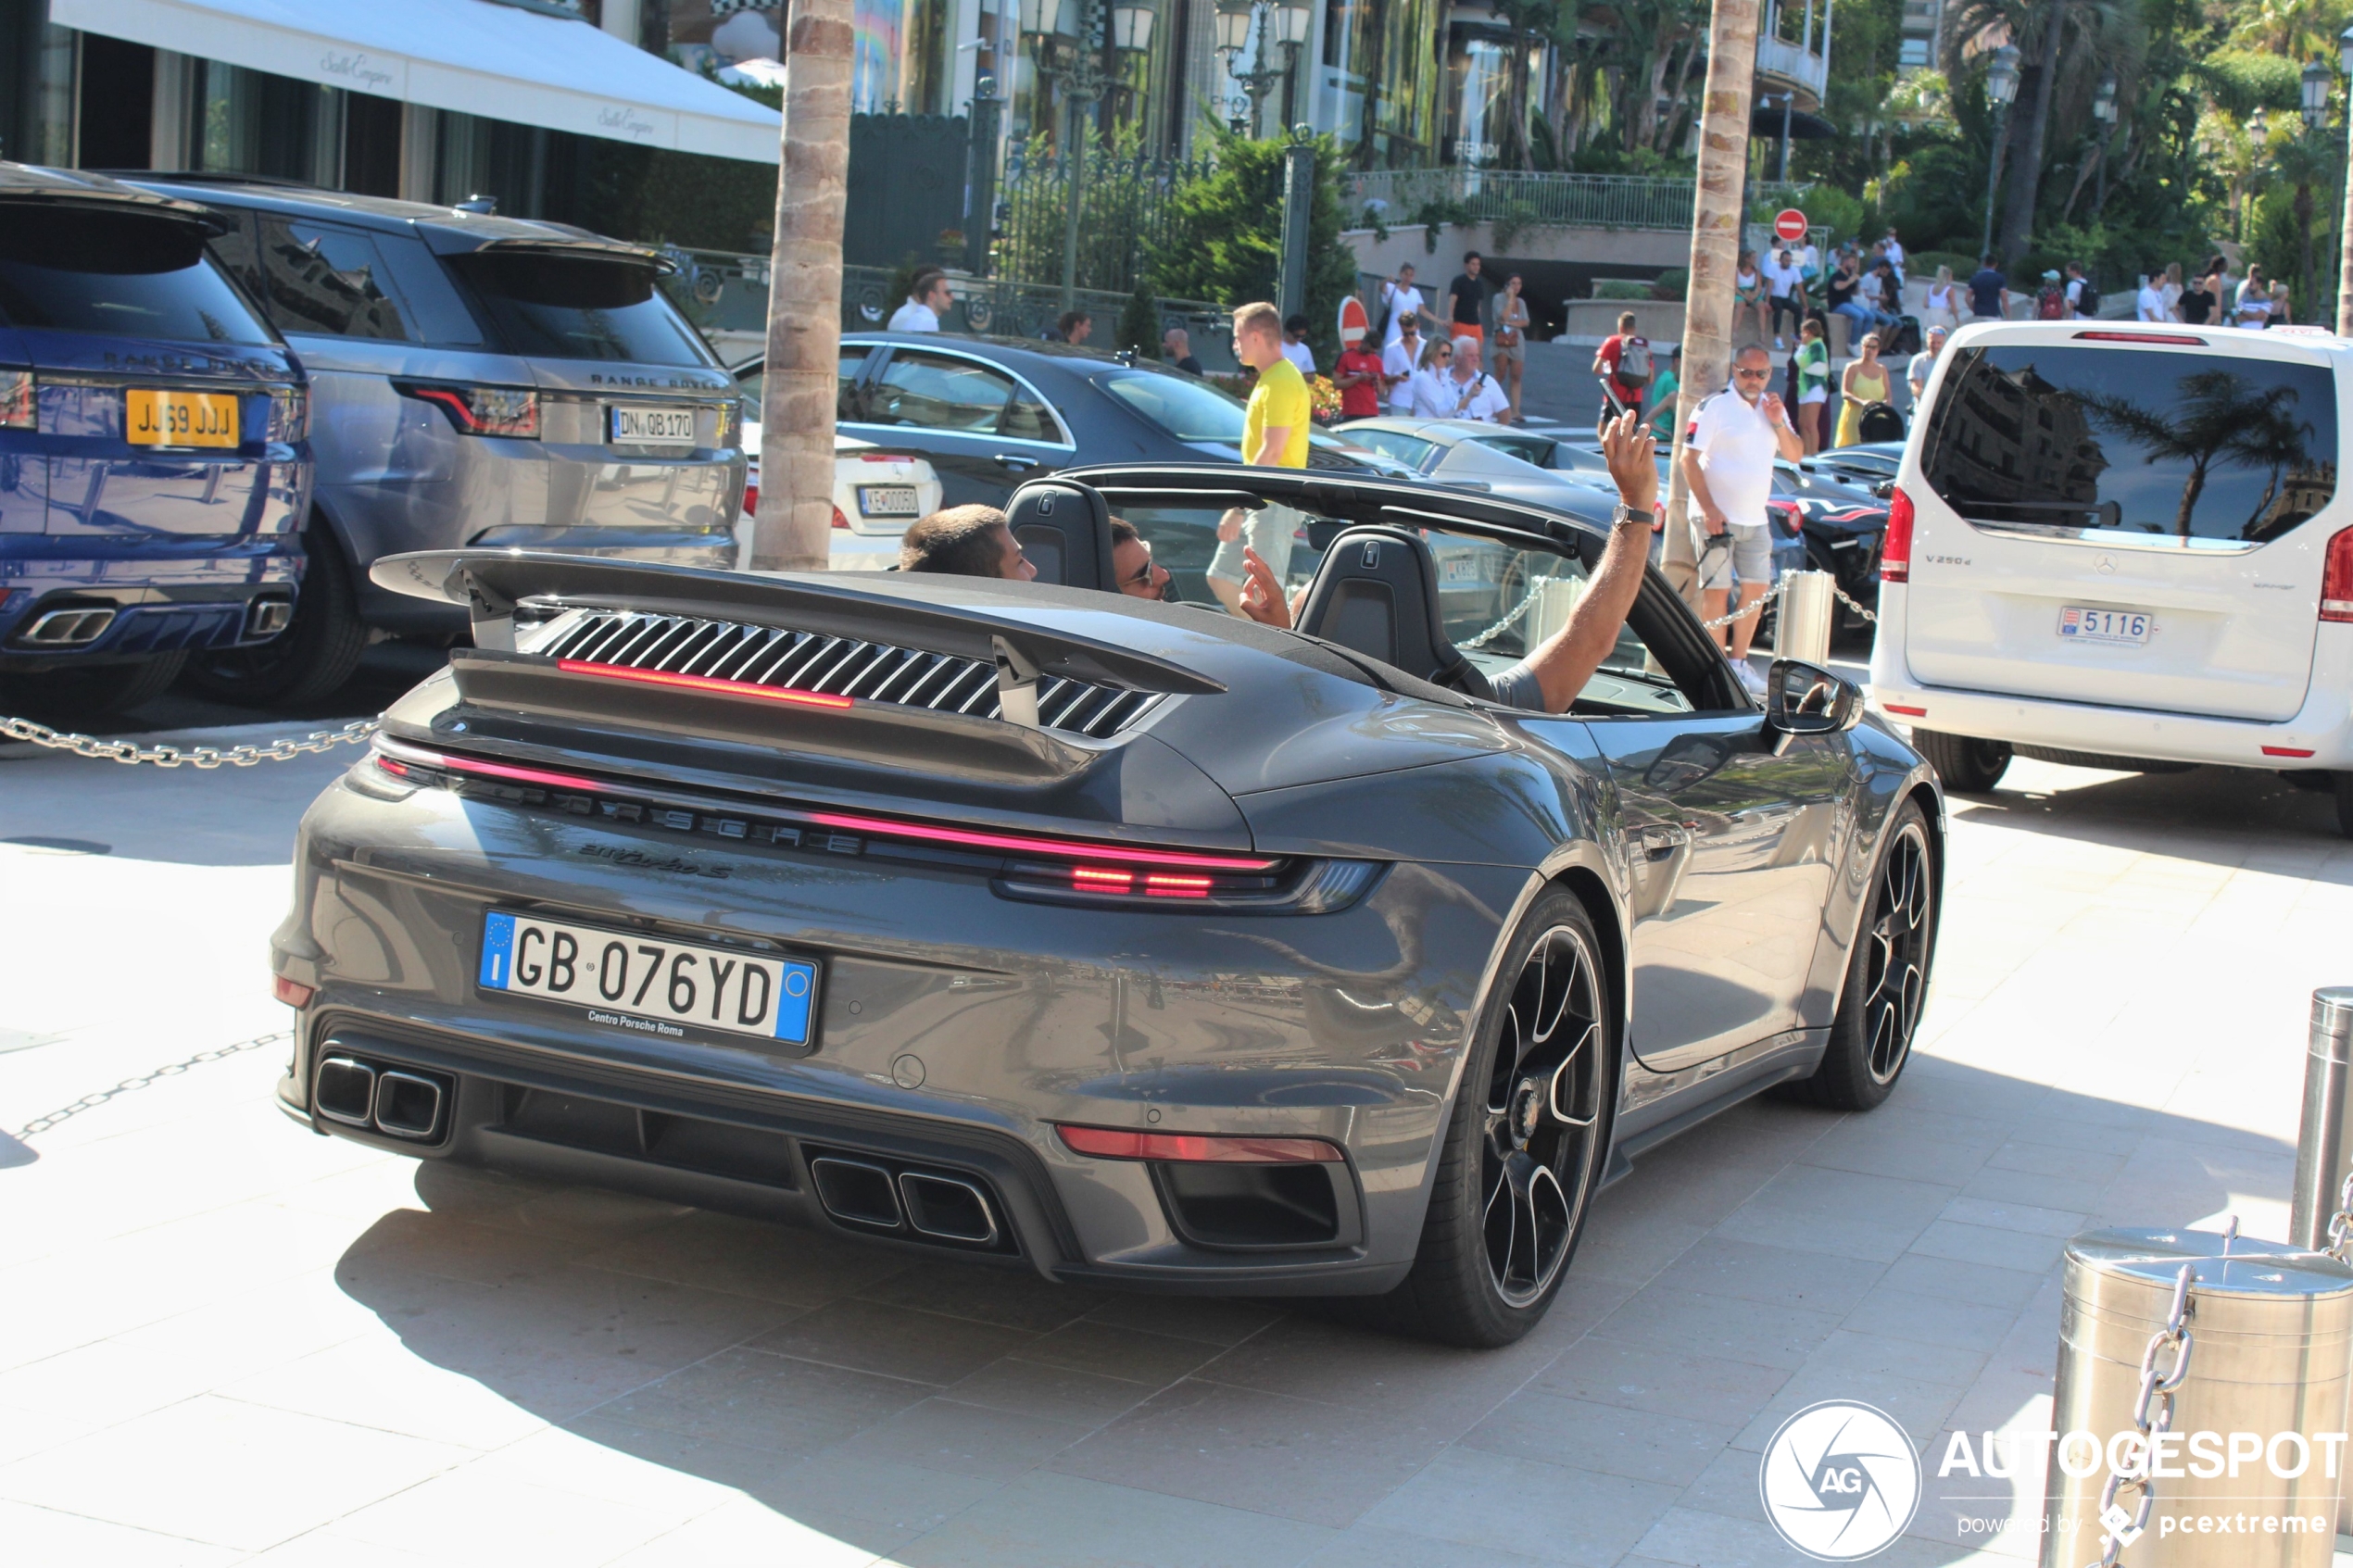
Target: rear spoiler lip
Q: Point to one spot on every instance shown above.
(490, 583)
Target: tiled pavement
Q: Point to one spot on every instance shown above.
(224, 1340)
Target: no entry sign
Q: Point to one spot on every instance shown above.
(1789, 224)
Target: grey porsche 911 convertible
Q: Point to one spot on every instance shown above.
(1128, 942)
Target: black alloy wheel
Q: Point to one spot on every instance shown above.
(1524, 1144)
(1542, 1117)
(1878, 1012)
(308, 661)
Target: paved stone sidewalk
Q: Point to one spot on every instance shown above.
(223, 1339)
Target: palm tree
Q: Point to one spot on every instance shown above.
(1717, 211)
(804, 294)
(2213, 414)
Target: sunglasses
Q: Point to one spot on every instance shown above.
(1746, 374)
(1143, 574)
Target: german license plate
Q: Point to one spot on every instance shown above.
(636, 425)
(887, 500)
(650, 984)
(153, 418)
(2129, 628)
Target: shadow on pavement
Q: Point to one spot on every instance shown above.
(2210, 814)
(868, 1396)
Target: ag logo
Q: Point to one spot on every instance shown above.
(1840, 1481)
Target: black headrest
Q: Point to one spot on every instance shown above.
(1377, 592)
(1064, 528)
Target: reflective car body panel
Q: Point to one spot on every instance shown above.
(979, 890)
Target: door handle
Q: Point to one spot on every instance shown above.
(1015, 462)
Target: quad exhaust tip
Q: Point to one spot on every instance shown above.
(390, 1100)
(267, 617)
(75, 626)
(933, 1204)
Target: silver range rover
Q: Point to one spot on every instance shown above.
(476, 381)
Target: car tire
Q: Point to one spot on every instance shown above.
(1507, 1207)
(2345, 804)
(94, 692)
(1965, 764)
(311, 658)
(1878, 1007)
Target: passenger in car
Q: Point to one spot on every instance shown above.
(1140, 577)
(1548, 680)
(969, 541)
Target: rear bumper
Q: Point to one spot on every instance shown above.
(178, 616)
(2319, 735)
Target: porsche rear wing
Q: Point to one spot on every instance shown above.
(490, 584)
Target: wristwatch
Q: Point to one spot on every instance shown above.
(1624, 516)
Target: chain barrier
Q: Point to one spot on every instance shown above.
(1851, 602)
(43, 1123)
(1755, 608)
(2340, 1245)
(201, 757)
(1514, 619)
(2152, 1417)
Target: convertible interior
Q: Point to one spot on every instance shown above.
(1447, 597)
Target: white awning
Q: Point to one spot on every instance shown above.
(475, 56)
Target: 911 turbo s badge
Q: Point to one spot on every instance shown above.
(638, 860)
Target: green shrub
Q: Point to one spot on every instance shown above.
(1140, 325)
(1673, 284)
(1623, 288)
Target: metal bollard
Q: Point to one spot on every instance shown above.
(2262, 1365)
(1803, 629)
(2323, 1155)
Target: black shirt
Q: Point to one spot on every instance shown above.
(1841, 289)
(2197, 304)
(1985, 288)
(1190, 365)
(1470, 295)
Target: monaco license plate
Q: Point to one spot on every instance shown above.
(2130, 628)
(887, 500)
(651, 985)
(636, 425)
(152, 417)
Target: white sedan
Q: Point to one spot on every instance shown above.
(876, 494)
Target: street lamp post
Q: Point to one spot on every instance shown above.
(1282, 24)
(2103, 110)
(2344, 240)
(2001, 86)
(1065, 39)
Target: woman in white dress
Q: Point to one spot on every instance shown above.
(1427, 400)
(2170, 291)
(1944, 305)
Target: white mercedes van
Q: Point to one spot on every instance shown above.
(2121, 545)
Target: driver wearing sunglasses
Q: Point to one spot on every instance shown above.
(1140, 577)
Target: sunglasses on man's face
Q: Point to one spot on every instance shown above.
(1746, 374)
(1142, 576)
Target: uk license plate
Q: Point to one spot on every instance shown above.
(887, 500)
(2128, 628)
(637, 425)
(153, 418)
(648, 985)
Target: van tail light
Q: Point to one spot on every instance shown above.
(1895, 545)
(19, 403)
(481, 411)
(2336, 578)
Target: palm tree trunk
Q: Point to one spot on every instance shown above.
(804, 294)
(1716, 210)
(2026, 168)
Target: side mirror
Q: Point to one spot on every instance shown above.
(1803, 700)
(1884, 489)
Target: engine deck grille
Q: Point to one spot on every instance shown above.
(810, 661)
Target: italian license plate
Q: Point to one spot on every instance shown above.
(152, 417)
(2129, 628)
(628, 980)
(887, 500)
(635, 425)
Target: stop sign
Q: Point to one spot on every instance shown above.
(1789, 224)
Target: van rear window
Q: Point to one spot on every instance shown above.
(2142, 441)
(120, 274)
(580, 307)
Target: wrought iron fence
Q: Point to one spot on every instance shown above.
(1583, 201)
(726, 292)
(1126, 215)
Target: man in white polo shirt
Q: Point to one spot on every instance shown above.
(1727, 463)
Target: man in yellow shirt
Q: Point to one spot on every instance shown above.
(1274, 435)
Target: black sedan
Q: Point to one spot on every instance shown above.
(989, 413)
(1869, 464)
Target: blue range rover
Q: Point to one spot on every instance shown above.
(154, 469)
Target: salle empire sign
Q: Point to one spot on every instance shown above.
(623, 122)
(357, 67)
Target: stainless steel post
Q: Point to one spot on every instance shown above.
(1802, 628)
(2270, 1331)
(2322, 1153)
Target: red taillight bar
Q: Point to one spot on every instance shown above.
(702, 683)
(2336, 578)
(1061, 848)
(1197, 1148)
(1907, 712)
(1895, 544)
(539, 776)
(2177, 339)
(2287, 752)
